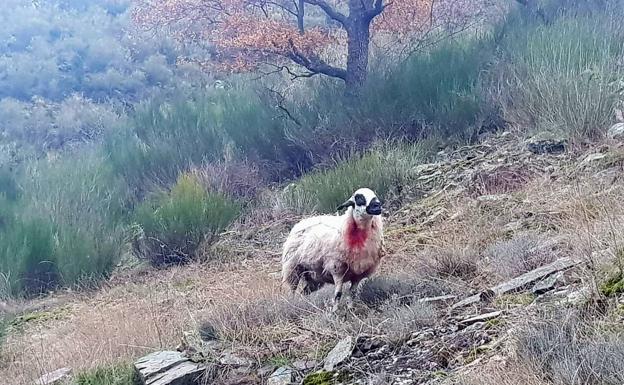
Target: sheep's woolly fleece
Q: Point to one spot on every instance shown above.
(327, 248)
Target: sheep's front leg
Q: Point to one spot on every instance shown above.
(338, 281)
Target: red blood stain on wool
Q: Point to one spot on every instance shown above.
(355, 237)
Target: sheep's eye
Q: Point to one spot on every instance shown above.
(360, 200)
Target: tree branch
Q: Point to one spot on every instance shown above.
(331, 12)
(315, 64)
(378, 8)
(280, 98)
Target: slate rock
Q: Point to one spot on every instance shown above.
(168, 368)
(55, 377)
(547, 284)
(339, 353)
(616, 131)
(546, 145)
(480, 318)
(523, 281)
(282, 376)
(231, 359)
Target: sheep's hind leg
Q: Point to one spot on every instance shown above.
(352, 293)
(311, 285)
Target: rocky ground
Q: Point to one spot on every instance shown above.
(486, 243)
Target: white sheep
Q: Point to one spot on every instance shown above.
(336, 249)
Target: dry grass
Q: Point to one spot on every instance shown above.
(126, 320)
(524, 252)
(235, 179)
(562, 347)
(292, 325)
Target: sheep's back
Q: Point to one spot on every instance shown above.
(312, 239)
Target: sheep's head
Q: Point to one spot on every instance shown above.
(364, 203)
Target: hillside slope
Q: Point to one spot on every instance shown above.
(476, 217)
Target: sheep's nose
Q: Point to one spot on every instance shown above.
(374, 208)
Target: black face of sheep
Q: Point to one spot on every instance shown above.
(363, 201)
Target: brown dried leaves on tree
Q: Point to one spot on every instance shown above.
(317, 35)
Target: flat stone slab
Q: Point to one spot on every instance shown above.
(480, 318)
(547, 284)
(522, 281)
(282, 376)
(54, 377)
(339, 353)
(168, 368)
(442, 298)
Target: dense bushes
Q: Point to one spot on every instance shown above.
(564, 75)
(60, 47)
(173, 224)
(386, 170)
(166, 138)
(64, 227)
(435, 94)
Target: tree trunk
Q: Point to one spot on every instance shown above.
(358, 35)
(300, 16)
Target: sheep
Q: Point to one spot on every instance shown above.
(336, 249)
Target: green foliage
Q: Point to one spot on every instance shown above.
(122, 374)
(27, 255)
(84, 201)
(65, 227)
(385, 170)
(59, 47)
(8, 185)
(320, 378)
(564, 75)
(326, 378)
(176, 222)
(613, 286)
(41, 125)
(435, 94)
(167, 138)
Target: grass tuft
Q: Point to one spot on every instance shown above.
(386, 170)
(566, 349)
(173, 224)
(122, 374)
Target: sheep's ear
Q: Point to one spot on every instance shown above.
(345, 205)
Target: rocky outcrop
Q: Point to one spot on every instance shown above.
(521, 282)
(168, 368)
(616, 131)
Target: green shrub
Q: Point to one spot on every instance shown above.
(174, 223)
(84, 201)
(564, 75)
(385, 170)
(66, 226)
(122, 374)
(27, 255)
(8, 185)
(167, 138)
(434, 94)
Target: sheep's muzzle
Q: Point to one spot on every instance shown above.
(374, 207)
